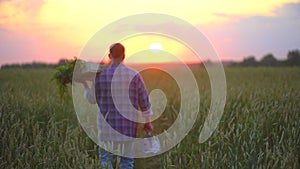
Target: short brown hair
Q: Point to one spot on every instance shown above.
(116, 50)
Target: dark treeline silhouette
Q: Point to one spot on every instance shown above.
(34, 65)
(268, 60)
(293, 59)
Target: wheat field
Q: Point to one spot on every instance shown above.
(260, 127)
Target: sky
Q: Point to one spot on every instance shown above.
(49, 30)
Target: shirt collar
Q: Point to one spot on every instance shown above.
(115, 64)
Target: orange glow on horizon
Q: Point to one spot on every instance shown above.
(59, 29)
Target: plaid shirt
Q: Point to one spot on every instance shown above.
(120, 92)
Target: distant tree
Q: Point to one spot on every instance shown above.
(293, 58)
(62, 62)
(269, 60)
(249, 61)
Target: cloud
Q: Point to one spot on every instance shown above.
(290, 11)
(23, 5)
(258, 35)
(3, 1)
(19, 14)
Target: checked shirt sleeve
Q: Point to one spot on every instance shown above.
(89, 94)
(143, 98)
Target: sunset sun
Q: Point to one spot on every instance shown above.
(155, 47)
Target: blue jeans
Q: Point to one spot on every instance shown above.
(107, 159)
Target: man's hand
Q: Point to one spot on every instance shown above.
(148, 127)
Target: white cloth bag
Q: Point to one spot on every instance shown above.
(150, 145)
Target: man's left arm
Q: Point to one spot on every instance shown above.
(89, 93)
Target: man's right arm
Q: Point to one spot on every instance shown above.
(144, 104)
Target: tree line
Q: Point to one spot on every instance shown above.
(293, 59)
(269, 60)
(34, 65)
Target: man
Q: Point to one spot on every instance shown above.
(120, 92)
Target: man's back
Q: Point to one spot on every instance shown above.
(120, 92)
